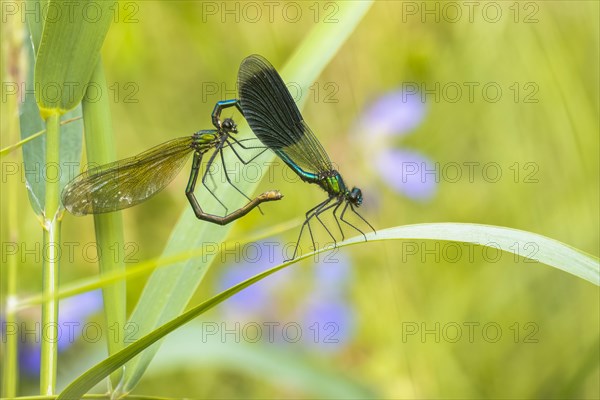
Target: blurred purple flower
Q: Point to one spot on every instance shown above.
(29, 358)
(330, 323)
(327, 314)
(395, 113)
(408, 172)
(255, 298)
(72, 313)
(324, 317)
(333, 274)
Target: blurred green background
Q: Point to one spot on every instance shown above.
(167, 63)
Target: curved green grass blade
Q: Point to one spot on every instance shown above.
(549, 251)
(68, 53)
(168, 291)
(521, 243)
(95, 374)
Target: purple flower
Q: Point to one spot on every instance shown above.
(29, 358)
(326, 313)
(333, 274)
(72, 313)
(330, 323)
(257, 297)
(323, 317)
(395, 113)
(408, 172)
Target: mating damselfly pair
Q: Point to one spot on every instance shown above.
(266, 103)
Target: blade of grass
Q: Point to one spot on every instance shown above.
(426, 233)
(549, 251)
(31, 124)
(68, 51)
(69, 37)
(100, 150)
(168, 291)
(523, 244)
(38, 155)
(34, 156)
(94, 375)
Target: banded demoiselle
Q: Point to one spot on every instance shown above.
(275, 119)
(125, 183)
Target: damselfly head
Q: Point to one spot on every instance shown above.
(229, 125)
(355, 197)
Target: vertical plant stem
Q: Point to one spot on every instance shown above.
(100, 150)
(50, 264)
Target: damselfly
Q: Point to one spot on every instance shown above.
(274, 118)
(125, 183)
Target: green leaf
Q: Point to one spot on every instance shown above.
(37, 172)
(169, 290)
(521, 243)
(100, 149)
(548, 251)
(69, 50)
(101, 370)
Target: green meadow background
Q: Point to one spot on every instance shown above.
(166, 65)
